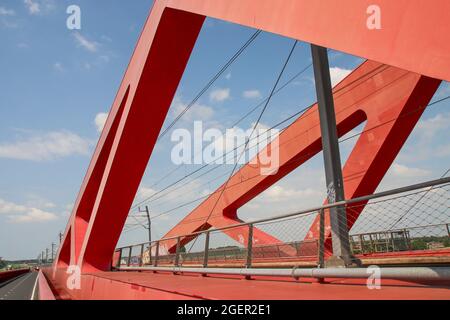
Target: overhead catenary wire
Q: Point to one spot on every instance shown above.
(251, 134)
(396, 222)
(340, 141)
(234, 125)
(210, 83)
(260, 116)
(373, 72)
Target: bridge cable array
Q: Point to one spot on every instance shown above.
(288, 164)
(378, 70)
(304, 110)
(250, 136)
(211, 82)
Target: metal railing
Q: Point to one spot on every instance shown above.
(411, 218)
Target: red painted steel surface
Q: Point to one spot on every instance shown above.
(413, 33)
(45, 292)
(391, 100)
(164, 286)
(8, 275)
(413, 38)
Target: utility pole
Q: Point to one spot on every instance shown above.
(46, 255)
(149, 228)
(60, 237)
(53, 251)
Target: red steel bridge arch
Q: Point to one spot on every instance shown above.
(412, 38)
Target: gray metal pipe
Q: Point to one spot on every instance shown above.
(404, 273)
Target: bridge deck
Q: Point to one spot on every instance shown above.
(166, 285)
(19, 288)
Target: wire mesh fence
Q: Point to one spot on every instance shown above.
(417, 220)
(410, 219)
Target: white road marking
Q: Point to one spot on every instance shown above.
(10, 291)
(34, 288)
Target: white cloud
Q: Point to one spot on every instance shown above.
(9, 207)
(144, 193)
(47, 146)
(67, 210)
(302, 189)
(6, 12)
(33, 215)
(58, 66)
(37, 7)
(252, 94)
(407, 172)
(428, 128)
(24, 214)
(83, 42)
(100, 120)
(104, 58)
(36, 201)
(278, 193)
(430, 140)
(33, 7)
(220, 95)
(196, 112)
(338, 74)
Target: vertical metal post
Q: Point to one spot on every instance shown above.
(150, 254)
(406, 237)
(141, 263)
(361, 241)
(249, 246)
(206, 254)
(119, 263)
(393, 242)
(448, 230)
(177, 252)
(332, 159)
(129, 256)
(322, 239)
(372, 246)
(156, 254)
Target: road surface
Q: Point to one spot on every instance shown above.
(20, 288)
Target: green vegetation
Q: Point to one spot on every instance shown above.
(422, 243)
(401, 244)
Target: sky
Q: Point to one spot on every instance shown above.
(57, 86)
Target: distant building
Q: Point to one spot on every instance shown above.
(435, 245)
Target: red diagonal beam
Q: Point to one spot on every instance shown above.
(412, 37)
(390, 99)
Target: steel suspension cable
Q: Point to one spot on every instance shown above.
(211, 82)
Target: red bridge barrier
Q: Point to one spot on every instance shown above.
(8, 275)
(45, 292)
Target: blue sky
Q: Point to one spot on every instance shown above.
(56, 86)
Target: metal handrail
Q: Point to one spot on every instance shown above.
(414, 187)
